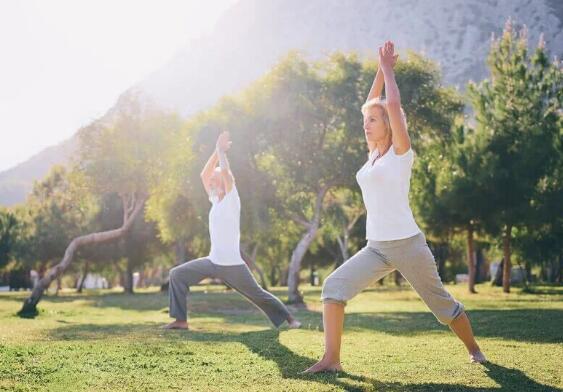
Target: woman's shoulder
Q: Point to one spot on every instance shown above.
(403, 154)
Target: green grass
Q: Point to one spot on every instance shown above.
(110, 341)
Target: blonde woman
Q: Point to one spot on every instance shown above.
(395, 242)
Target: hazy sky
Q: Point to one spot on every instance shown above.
(64, 62)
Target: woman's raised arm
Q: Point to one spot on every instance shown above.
(400, 136)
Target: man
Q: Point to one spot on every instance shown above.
(224, 261)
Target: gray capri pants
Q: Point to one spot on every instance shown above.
(411, 257)
(237, 277)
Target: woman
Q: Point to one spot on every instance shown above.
(224, 261)
(394, 240)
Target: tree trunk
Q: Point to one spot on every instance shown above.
(180, 251)
(128, 287)
(507, 265)
(59, 286)
(471, 259)
(397, 277)
(497, 279)
(283, 276)
(83, 278)
(528, 267)
(142, 276)
(294, 297)
(41, 273)
(343, 246)
(275, 276)
(131, 208)
(560, 275)
(480, 266)
(345, 239)
(250, 260)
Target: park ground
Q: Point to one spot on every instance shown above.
(109, 341)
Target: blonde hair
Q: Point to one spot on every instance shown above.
(382, 104)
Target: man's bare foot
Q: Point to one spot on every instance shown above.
(477, 357)
(178, 324)
(293, 324)
(325, 366)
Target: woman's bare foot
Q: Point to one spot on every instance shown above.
(325, 366)
(477, 357)
(178, 324)
(293, 323)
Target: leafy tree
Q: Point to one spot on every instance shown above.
(58, 209)
(10, 235)
(122, 154)
(518, 116)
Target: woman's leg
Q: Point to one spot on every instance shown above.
(181, 277)
(240, 278)
(462, 328)
(333, 325)
(416, 263)
(365, 267)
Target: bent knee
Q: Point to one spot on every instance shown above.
(335, 290)
(174, 272)
(447, 316)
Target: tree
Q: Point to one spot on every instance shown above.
(177, 197)
(518, 116)
(344, 209)
(540, 240)
(10, 232)
(120, 153)
(58, 209)
(449, 190)
(315, 108)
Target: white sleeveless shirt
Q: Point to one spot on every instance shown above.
(385, 190)
(224, 230)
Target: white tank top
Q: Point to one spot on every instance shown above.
(385, 191)
(224, 230)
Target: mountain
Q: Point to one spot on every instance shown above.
(17, 182)
(253, 34)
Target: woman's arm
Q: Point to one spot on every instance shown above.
(400, 136)
(223, 144)
(208, 170)
(378, 81)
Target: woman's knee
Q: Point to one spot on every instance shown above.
(333, 290)
(448, 316)
(174, 273)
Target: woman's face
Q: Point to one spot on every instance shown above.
(375, 128)
(216, 183)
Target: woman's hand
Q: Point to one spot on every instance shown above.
(378, 82)
(223, 142)
(387, 56)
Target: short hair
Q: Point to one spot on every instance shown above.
(381, 103)
(375, 102)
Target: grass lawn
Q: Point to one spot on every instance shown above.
(110, 341)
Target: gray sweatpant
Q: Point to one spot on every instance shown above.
(413, 259)
(237, 277)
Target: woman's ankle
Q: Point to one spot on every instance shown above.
(331, 359)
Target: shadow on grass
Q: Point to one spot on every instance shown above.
(267, 346)
(526, 325)
(521, 324)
